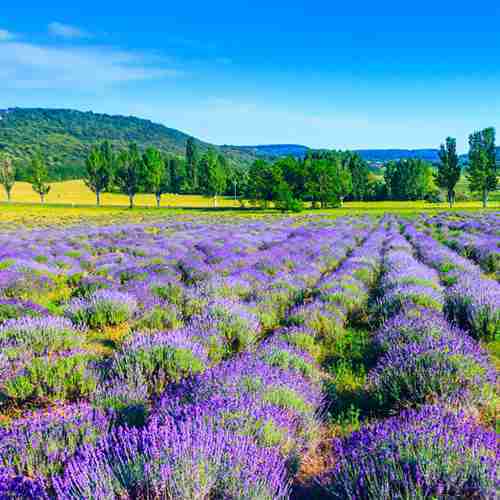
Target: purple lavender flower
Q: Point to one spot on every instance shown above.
(103, 308)
(14, 486)
(430, 453)
(42, 441)
(450, 368)
(474, 303)
(159, 358)
(15, 308)
(39, 335)
(185, 461)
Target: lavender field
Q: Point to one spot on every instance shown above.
(257, 359)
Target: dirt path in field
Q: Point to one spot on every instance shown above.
(317, 461)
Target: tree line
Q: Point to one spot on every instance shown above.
(324, 179)
(327, 178)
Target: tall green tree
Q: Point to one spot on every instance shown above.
(448, 173)
(328, 180)
(212, 175)
(192, 164)
(342, 180)
(408, 180)
(482, 169)
(157, 174)
(263, 181)
(7, 175)
(177, 173)
(39, 176)
(294, 175)
(99, 167)
(130, 174)
(285, 199)
(359, 175)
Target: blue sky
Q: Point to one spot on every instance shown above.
(361, 75)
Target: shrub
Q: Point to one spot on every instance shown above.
(41, 442)
(15, 308)
(159, 318)
(85, 286)
(286, 398)
(450, 368)
(159, 358)
(39, 335)
(57, 378)
(430, 453)
(287, 360)
(185, 461)
(103, 308)
(413, 325)
(474, 303)
(304, 341)
(226, 327)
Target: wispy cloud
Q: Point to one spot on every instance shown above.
(6, 35)
(67, 31)
(26, 65)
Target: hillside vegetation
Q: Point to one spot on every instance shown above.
(65, 137)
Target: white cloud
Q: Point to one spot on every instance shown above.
(66, 31)
(6, 35)
(25, 65)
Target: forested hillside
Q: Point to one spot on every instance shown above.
(64, 137)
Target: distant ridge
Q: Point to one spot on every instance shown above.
(372, 155)
(276, 150)
(381, 155)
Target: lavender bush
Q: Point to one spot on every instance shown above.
(430, 453)
(103, 308)
(191, 460)
(158, 359)
(39, 335)
(41, 442)
(475, 305)
(65, 376)
(450, 368)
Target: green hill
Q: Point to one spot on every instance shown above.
(65, 136)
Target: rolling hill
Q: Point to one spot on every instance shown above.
(65, 136)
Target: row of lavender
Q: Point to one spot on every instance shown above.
(208, 435)
(437, 449)
(471, 299)
(473, 237)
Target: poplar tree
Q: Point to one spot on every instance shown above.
(482, 170)
(7, 175)
(39, 176)
(213, 175)
(192, 164)
(449, 170)
(99, 167)
(157, 173)
(130, 175)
